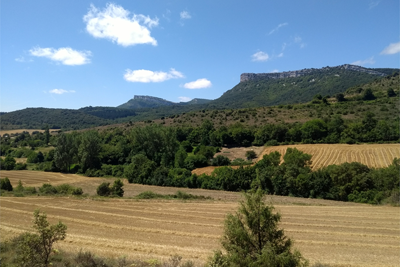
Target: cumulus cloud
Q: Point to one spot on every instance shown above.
(275, 71)
(147, 76)
(391, 49)
(277, 28)
(368, 61)
(184, 99)
(198, 84)
(60, 91)
(116, 24)
(65, 55)
(185, 15)
(260, 56)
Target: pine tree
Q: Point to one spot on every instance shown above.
(252, 237)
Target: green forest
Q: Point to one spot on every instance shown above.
(158, 155)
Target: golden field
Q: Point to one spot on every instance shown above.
(334, 233)
(372, 155)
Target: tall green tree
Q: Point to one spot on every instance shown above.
(65, 151)
(252, 238)
(89, 150)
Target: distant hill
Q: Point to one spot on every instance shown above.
(109, 113)
(268, 89)
(196, 101)
(144, 101)
(254, 90)
(37, 118)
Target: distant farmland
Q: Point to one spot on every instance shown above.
(372, 155)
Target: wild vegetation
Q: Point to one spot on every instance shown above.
(246, 96)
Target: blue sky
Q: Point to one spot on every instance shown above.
(72, 54)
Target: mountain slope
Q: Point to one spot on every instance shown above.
(257, 90)
(141, 101)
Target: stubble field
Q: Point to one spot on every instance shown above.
(335, 233)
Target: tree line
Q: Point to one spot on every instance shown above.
(165, 156)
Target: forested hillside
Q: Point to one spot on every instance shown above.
(320, 88)
(269, 92)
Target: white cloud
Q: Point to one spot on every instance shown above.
(368, 61)
(277, 28)
(391, 49)
(22, 59)
(65, 55)
(260, 56)
(114, 23)
(147, 76)
(185, 15)
(275, 71)
(299, 40)
(198, 84)
(60, 91)
(184, 99)
(373, 3)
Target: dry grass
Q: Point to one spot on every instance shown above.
(334, 233)
(372, 155)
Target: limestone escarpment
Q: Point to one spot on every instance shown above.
(291, 74)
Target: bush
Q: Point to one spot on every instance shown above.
(35, 249)
(221, 161)
(5, 184)
(250, 154)
(104, 189)
(48, 189)
(116, 189)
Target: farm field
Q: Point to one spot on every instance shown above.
(372, 155)
(334, 233)
(2, 132)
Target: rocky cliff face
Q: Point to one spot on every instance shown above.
(289, 74)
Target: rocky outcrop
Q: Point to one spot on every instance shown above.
(290, 74)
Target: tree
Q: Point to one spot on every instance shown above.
(8, 163)
(340, 97)
(368, 94)
(65, 151)
(46, 135)
(252, 237)
(390, 92)
(250, 154)
(5, 184)
(104, 189)
(116, 189)
(34, 250)
(89, 150)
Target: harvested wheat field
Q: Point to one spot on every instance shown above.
(334, 233)
(358, 235)
(372, 155)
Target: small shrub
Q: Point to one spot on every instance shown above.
(250, 154)
(104, 189)
(48, 189)
(5, 184)
(149, 195)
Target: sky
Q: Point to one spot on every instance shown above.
(73, 54)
